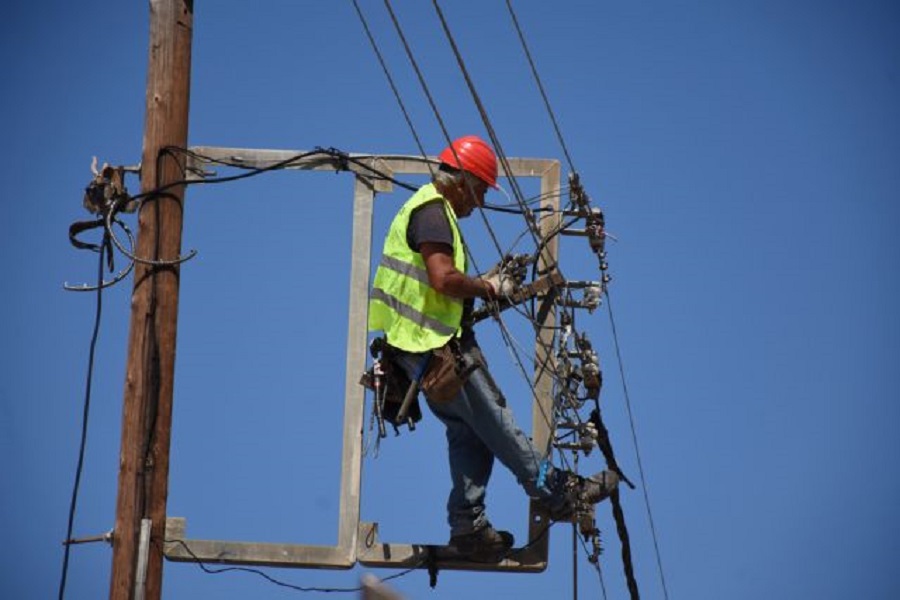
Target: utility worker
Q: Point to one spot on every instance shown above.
(420, 294)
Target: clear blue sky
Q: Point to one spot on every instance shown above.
(747, 156)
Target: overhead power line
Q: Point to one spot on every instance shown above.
(390, 79)
(537, 78)
(637, 452)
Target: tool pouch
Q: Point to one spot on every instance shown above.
(447, 372)
(395, 384)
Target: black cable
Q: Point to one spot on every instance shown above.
(278, 582)
(596, 566)
(339, 155)
(514, 184)
(622, 529)
(162, 191)
(282, 164)
(84, 420)
(390, 79)
(415, 66)
(540, 85)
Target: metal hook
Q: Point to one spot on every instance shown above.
(144, 261)
(119, 276)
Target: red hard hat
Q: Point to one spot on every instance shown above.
(475, 156)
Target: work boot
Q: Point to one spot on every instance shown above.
(583, 492)
(483, 545)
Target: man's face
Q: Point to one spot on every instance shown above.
(473, 191)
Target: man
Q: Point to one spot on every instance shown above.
(420, 293)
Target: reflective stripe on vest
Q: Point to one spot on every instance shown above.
(414, 316)
(389, 262)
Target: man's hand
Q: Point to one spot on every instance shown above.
(507, 275)
(501, 283)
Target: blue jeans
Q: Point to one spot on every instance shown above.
(479, 428)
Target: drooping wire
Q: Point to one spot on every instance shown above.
(342, 159)
(537, 79)
(513, 207)
(637, 452)
(84, 420)
(596, 566)
(390, 79)
(218, 570)
(109, 217)
(107, 223)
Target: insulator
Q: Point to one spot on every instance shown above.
(591, 298)
(589, 437)
(592, 379)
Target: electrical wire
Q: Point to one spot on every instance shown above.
(343, 160)
(422, 563)
(596, 566)
(636, 446)
(443, 127)
(110, 217)
(297, 588)
(517, 192)
(540, 85)
(84, 420)
(513, 182)
(390, 79)
(615, 336)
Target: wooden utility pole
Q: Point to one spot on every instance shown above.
(147, 411)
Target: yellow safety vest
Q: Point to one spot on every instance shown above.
(414, 316)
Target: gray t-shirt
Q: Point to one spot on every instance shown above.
(428, 223)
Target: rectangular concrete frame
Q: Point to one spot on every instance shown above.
(358, 541)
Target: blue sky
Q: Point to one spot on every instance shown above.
(746, 155)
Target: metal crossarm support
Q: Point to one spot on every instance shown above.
(358, 541)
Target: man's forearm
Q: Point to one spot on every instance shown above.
(459, 285)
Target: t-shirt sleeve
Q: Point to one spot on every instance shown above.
(428, 223)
